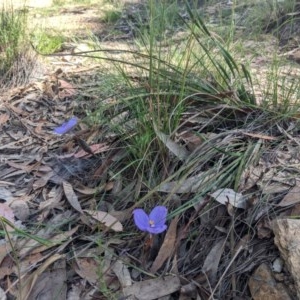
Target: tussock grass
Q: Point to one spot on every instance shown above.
(269, 14)
(12, 33)
(47, 43)
(196, 86)
(172, 85)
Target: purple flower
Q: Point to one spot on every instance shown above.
(65, 127)
(154, 223)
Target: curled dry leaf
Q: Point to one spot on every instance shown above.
(71, 196)
(107, 219)
(225, 196)
(86, 190)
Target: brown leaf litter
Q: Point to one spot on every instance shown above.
(35, 170)
(53, 181)
(62, 191)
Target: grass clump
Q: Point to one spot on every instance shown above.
(172, 80)
(111, 11)
(111, 15)
(12, 36)
(47, 43)
(192, 87)
(261, 16)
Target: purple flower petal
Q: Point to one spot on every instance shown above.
(154, 223)
(159, 215)
(157, 229)
(141, 219)
(65, 127)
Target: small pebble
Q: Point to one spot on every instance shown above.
(277, 265)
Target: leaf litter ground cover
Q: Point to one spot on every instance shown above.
(69, 200)
(46, 182)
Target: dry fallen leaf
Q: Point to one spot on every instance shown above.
(107, 219)
(7, 267)
(97, 148)
(167, 248)
(66, 89)
(87, 268)
(30, 281)
(51, 284)
(42, 181)
(71, 196)
(178, 150)
(7, 212)
(153, 288)
(86, 190)
(292, 197)
(225, 196)
(3, 118)
(52, 198)
(211, 263)
(122, 272)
